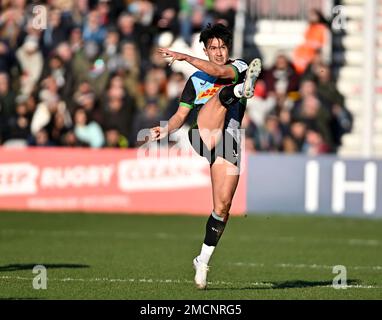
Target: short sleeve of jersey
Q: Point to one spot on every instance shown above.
(188, 96)
(240, 67)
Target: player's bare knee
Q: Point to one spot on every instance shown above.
(223, 207)
(221, 212)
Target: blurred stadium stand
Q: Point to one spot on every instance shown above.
(125, 88)
(349, 58)
(280, 24)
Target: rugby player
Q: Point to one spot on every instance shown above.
(219, 92)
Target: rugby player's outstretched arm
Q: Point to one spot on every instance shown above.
(175, 122)
(213, 69)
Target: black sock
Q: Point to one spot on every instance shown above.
(227, 96)
(214, 230)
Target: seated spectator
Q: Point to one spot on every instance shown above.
(7, 57)
(269, 137)
(250, 132)
(314, 115)
(307, 88)
(79, 12)
(126, 64)
(65, 54)
(316, 37)
(30, 102)
(7, 104)
(111, 43)
(295, 138)
(75, 40)
(166, 16)
(69, 139)
(312, 70)
(174, 89)
(85, 98)
(118, 112)
(51, 103)
(19, 124)
(152, 91)
(88, 131)
(281, 80)
(224, 12)
(142, 12)
(64, 51)
(40, 139)
(126, 28)
(154, 64)
(147, 117)
(11, 22)
(57, 128)
(93, 29)
(54, 67)
(56, 32)
(31, 63)
(342, 119)
(131, 66)
(88, 65)
(114, 139)
(104, 12)
(193, 16)
(260, 105)
(314, 144)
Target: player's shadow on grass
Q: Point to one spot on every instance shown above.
(307, 284)
(22, 298)
(285, 285)
(30, 266)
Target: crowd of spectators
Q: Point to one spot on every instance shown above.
(91, 77)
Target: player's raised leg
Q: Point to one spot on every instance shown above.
(251, 76)
(223, 189)
(211, 117)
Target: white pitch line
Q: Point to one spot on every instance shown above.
(250, 264)
(366, 242)
(178, 281)
(99, 279)
(172, 236)
(302, 266)
(143, 280)
(85, 233)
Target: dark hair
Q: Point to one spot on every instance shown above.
(321, 18)
(218, 31)
(88, 115)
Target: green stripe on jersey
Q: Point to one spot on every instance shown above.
(183, 104)
(236, 74)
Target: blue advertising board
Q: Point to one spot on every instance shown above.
(314, 185)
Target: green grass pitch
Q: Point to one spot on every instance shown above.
(90, 256)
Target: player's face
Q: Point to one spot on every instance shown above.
(217, 51)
